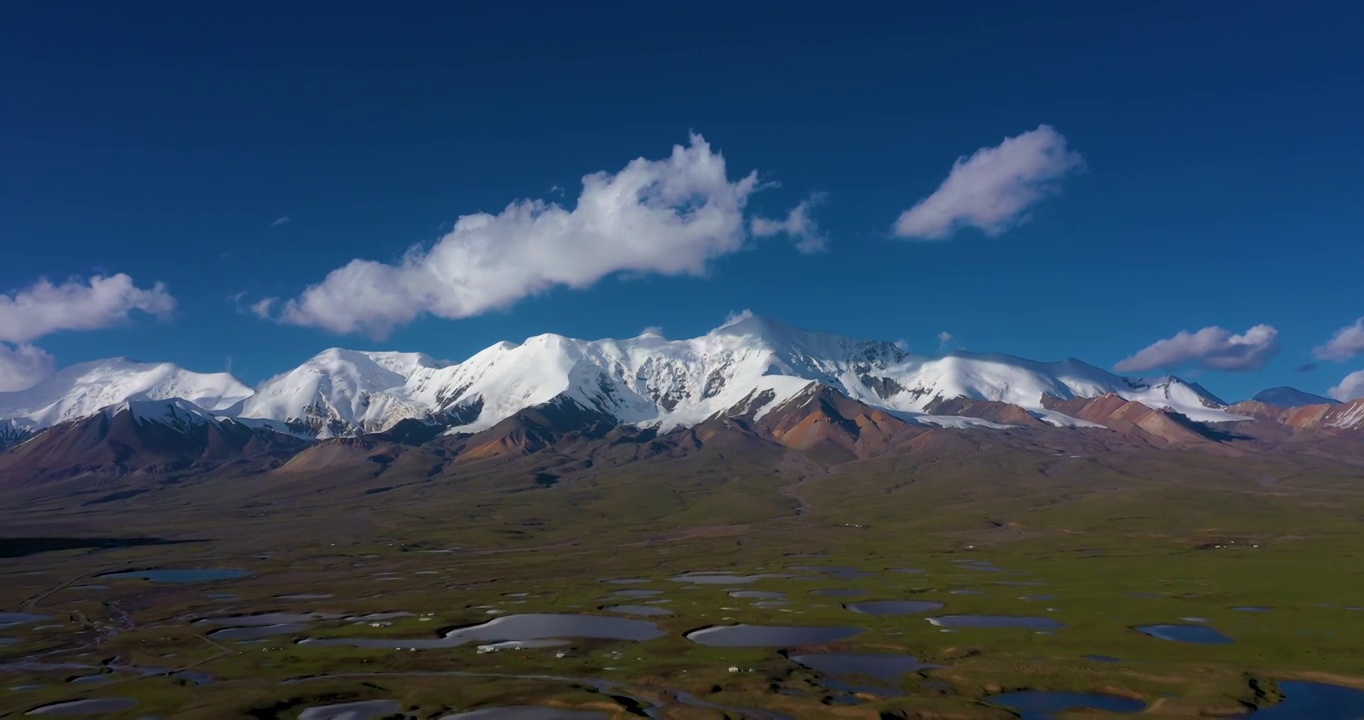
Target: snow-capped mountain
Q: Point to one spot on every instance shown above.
(1288, 397)
(750, 366)
(342, 392)
(757, 364)
(86, 389)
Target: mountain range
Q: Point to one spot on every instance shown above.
(798, 388)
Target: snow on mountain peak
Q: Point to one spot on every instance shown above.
(752, 364)
(83, 390)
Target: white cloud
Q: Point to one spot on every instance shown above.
(101, 302)
(262, 308)
(1345, 344)
(1212, 348)
(734, 318)
(1351, 387)
(23, 366)
(281, 221)
(993, 189)
(652, 330)
(668, 217)
(798, 225)
(946, 341)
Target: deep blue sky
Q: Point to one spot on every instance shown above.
(1224, 145)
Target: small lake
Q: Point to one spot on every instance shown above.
(516, 627)
(364, 710)
(997, 621)
(1318, 701)
(527, 712)
(1198, 634)
(882, 667)
(10, 619)
(90, 679)
(1253, 608)
(640, 610)
(9, 641)
(178, 576)
(92, 706)
(769, 635)
(758, 595)
(721, 578)
(304, 597)
(264, 619)
(191, 677)
(257, 632)
(893, 607)
(637, 593)
(1043, 705)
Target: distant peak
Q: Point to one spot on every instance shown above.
(1288, 397)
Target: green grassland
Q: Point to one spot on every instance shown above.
(1119, 539)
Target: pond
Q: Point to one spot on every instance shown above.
(721, 578)
(516, 627)
(264, 619)
(996, 621)
(10, 619)
(178, 576)
(758, 595)
(637, 593)
(91, 706)
(1199, 634)
(1041, 705)
(364, 710)
(257, 632)
(1318, 701)
(640, 610)
(882, 667)
(769, 635)
(304, 597)
(893, 607)
(527, 712)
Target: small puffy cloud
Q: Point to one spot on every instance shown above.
(946, 341)
(1212, 348)
(281, 221)
(23, 366)
(77, 304)
(993, 189)
(1350, 388)
(262, 308)
(666, 217)
(651, 331)
(798, 225)
(1345, 344)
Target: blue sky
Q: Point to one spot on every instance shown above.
(1217, 178)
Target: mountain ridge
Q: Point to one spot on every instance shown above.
(746, 367)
